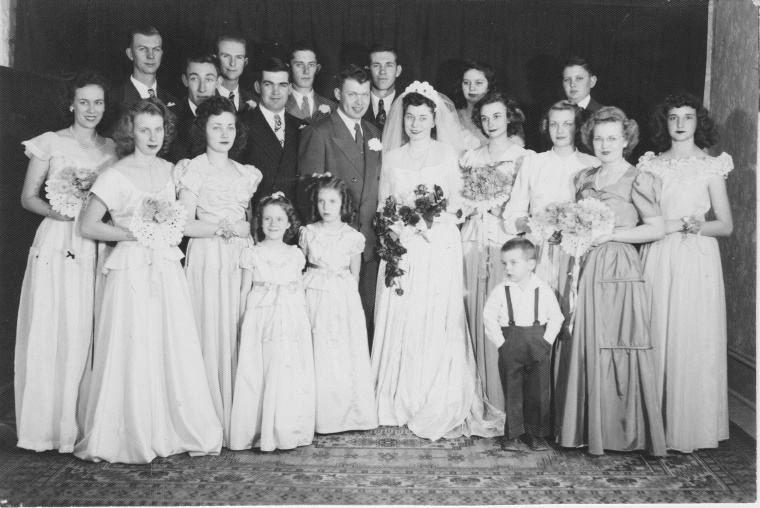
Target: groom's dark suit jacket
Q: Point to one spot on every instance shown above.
(278, 164)
(328, 146)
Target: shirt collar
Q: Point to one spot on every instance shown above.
(269, 116)
(143, 89)
(584, 103)
(349, 122)
(226, 93)
(532, 284)
(387, 101)
(193, 107)
(298, 96)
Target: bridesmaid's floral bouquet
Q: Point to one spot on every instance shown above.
(487, 186)
(575, 225)
(395, 221)
(158, 223)
(69, 187)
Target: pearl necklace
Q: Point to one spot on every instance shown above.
(86, 145)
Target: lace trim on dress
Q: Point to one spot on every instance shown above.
(684, 169)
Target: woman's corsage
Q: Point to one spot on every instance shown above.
(158, 223)
(375, 145)
(69, 187)
(226, 231)
(691, 225)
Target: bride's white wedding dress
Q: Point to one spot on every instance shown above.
(422, 356)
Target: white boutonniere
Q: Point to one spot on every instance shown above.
(375, 145)
(302, 126)
(251, 103)
(170, 105)
(324, 109)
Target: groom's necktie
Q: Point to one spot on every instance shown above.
(380, 113)
(151, 93)
(305, 107)
(232, 100)
(359, 137)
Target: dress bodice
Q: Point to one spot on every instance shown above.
(332, 249)
(276, 266)
(218, 197)
(685, 182)
(63, 151)
(402, 173)
(512, 158)
(635, 195)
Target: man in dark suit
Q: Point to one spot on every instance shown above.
(384, 68)
(145, 51)
(231, 52)
(348, 147)
(201, 78)
(304, 103)
(273, 134)
(578, 79)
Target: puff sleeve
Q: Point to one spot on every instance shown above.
(645, 194)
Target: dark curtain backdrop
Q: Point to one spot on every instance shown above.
(642, 50)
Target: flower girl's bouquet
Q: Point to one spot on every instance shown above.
(158, 223)
(69, 187)
(486, 186)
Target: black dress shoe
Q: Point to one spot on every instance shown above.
(511, 445)
(535, 443)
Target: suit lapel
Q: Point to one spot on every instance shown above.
(292, 108)
(345, 141)
(265, 136)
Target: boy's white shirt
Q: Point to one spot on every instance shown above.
(496, 315)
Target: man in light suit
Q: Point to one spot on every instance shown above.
(384, 68)
(304, 103)
(145, 51)
(273, 134)
(231, 51)
(578, 79)
(348, 147)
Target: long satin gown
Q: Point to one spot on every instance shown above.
(685, 282)
(611, 399)
(422, 356)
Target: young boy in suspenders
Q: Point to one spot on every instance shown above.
(522, 318)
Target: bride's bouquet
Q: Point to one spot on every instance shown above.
(158, 223)
(395, 221)
(69, 187)
(487, 186)
(574, 225)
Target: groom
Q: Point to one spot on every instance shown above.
(348, 147)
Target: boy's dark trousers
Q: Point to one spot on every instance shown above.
(524, 368)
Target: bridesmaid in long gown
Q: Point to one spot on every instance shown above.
(684, 276)
(612, 401)
(422, 357)
(484, 231)
(54, 327)
(216, 192)
(143, 395)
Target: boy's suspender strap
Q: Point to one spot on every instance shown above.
(509, 307)
(535, 310)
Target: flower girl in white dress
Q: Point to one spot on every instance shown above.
(273, 405)
(345, 388)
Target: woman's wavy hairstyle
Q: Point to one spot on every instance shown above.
(611, 114)
(347, 205)
(706, 134)
(562, 106)
(124, 135)
(515, 116)
(213, 106)
(417, 99)
(460, 102)
(256, 228)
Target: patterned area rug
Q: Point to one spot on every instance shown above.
(387, 466)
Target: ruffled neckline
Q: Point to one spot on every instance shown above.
(720, 165)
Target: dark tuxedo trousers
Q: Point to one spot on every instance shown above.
(328, 146)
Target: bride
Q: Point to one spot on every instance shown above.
(422, 357)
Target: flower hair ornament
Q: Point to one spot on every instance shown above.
(278, 195)
(423, 89)
(322, 175)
